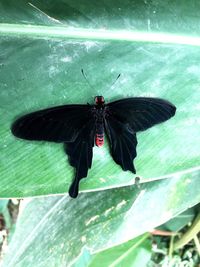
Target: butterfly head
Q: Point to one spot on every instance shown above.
(99, 100)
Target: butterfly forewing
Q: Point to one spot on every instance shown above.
(57, 124)
(141, 113)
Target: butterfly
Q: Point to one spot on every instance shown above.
(80, 127)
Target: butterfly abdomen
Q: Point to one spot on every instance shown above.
(99, 137)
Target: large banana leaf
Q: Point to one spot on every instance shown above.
(44, 46)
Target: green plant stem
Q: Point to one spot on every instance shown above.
(171, 246)
(197, 244)
(189, 235)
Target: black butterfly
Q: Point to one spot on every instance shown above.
(79, 126)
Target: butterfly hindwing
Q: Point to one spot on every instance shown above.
(57, 124)
(80, 154)
(123, 143)
(141, 113)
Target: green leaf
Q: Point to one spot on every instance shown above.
(134, 253)
(43, 47)
(180, 221)
(83, 259)
(55, 230)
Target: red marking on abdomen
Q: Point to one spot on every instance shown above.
(99, 140)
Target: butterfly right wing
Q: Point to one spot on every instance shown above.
(80, 154)
(57, 124)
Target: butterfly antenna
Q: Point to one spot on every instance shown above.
(116, 79)
(83, 73)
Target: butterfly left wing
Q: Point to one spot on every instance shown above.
(80, 154)
(123, 143)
